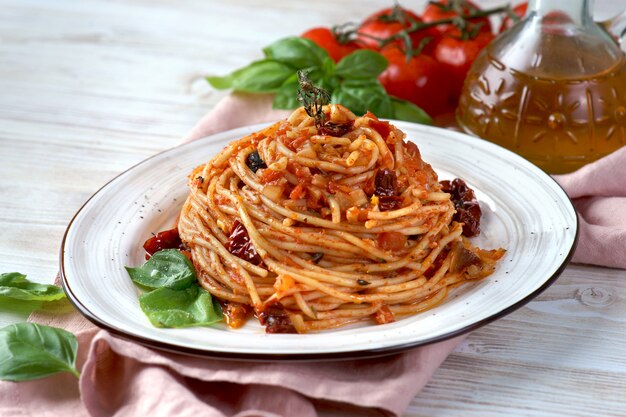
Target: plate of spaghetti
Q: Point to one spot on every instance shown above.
(324, 236)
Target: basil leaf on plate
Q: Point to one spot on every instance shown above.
(15, 285)
(361, 97)
(405, 110)
(166, 268)
(192, 306)
(298, 53)
(31, 351)
(361, 64)
(259, 77)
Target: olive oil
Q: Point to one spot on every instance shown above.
(560, 124)
(552, 88)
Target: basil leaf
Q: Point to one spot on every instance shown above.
(361, 64)
(166, 268)
(259, 77)
(286, 97)
(363, 97)
(329, 83)
(21, 308)
(192, 306)
(298, 53)
(11, 278)
(15, 285)
(367, 83)
(221, 83)
(31, 351)
(405, 110)
(328, 67)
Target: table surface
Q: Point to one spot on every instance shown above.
(90, 88)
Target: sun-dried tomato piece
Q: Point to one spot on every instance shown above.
(167, 239)
(467, 208)
(387, 203)
(275, 319)
(383, 128)
(386, 183)
(469, 215)
(240, 245)
(391, 241)
(336, 129)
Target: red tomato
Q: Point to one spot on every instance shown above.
(436, 11)
(325, 38)
(519, 10)
(422, 80)
(457, 56)
(378, 26)
(391, 241)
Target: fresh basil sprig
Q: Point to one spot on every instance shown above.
(32, 351)
(174, 298)
(15, 285)
(352, 82)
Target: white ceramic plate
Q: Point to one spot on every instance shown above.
(524, 211)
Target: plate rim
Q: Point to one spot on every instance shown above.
(300, 357)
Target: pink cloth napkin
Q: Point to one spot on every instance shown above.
(598, 191)
(121, 378)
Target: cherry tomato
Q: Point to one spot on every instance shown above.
(437, 11)
(422, 80)
(388, 22)
(457, 56)
(519, 10)
(325, 38)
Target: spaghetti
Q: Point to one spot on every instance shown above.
(317, 226)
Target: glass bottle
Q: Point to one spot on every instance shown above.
(552, 88)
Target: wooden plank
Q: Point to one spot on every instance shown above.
(561, 355)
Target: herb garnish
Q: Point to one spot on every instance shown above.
(352, 82)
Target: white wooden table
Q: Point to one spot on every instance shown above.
(91, 87)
